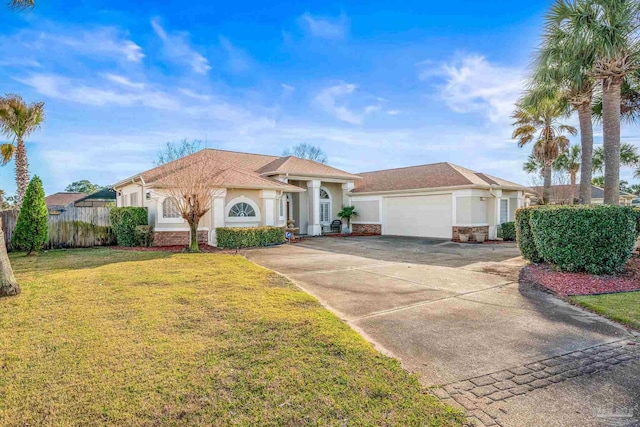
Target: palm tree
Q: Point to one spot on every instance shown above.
(571, 161)
(608, 31)
(17, 121)
(536, 120)
(628, 157)
(22, 4)
(569, 69)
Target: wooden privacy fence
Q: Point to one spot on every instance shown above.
(71, 228)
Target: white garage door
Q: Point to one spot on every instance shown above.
(422, 216)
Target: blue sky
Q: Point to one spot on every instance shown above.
(375, 84)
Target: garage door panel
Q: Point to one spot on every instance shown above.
(422, 216)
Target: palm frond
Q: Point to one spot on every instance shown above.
(7, 152)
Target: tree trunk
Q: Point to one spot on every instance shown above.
(586, 141)
(193, 231)
(611, 138)
(546, 190)
(22, 172)
(8, 283)
(573, 186)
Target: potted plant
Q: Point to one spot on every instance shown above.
(480, 237)
(347, 213)
(464, 238)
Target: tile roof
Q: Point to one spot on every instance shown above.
(248, 170)
(63, 198)
(435, 175)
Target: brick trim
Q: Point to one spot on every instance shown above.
(366, 228)
(175, 238)
(457, 231)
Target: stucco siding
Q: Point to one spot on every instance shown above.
(471, 210)
(368, 211)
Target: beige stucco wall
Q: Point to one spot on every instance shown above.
(472, 210)
(335, 191)
(368, 211)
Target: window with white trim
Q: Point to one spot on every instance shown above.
(133, 199)
(241, 210)
(325, 207)
(170, 208)
(504, 210)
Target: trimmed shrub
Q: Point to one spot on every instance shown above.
(145, 235)
(595, 239)
(124, 222)
(524, 235)
(32, 230)
(247, 237)
(508, 231)
(637, 211)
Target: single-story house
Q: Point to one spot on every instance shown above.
(58, 201)
(101, 198)
(438, 200)
(561, 195)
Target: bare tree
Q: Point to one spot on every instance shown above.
(192, 185)
(307, 151)
(176, 150)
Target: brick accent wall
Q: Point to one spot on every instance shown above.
(174, 238)
(366, 228)
(457, 231)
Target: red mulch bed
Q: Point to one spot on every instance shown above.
(174, 249)
(566, 284)
(350, 235)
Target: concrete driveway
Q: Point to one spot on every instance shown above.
(455, 314)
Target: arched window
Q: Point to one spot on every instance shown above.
(170, 208)
(241, 210)
(324, 194)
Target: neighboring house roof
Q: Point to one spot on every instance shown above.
(563, 192)
(431, 176)
(63, 198)
(104, 194)
(243, 170)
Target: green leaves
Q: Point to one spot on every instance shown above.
(594, 239)
(32, 230)
(124, 222)
(508, 231)
(247, 237)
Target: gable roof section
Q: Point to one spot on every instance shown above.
(296, 166)
(431, 176)
(63, 198)
(243, 170)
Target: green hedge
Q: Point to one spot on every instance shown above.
(31, 232)
(595, 239)
(246, 237)
(524, 235)
(508, 231)
(124, 222)
(637, 211)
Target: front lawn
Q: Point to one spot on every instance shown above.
(621, 307)
(149, 338)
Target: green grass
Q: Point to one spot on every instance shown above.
(148, 338)
(621, 307)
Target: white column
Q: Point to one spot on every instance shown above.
(314, 228)
(520, 199)
(493, 230)
(268, 198)
(217, 213)
(346, 201)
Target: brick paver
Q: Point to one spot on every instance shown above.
(479, 395)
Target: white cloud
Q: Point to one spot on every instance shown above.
(177, 48)
(474, 85)
(393, 112)
(287, 88)
(325, 27)
(239, 60)
(122, 80)
(58, 87)
(331, 99)
(102, 41)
